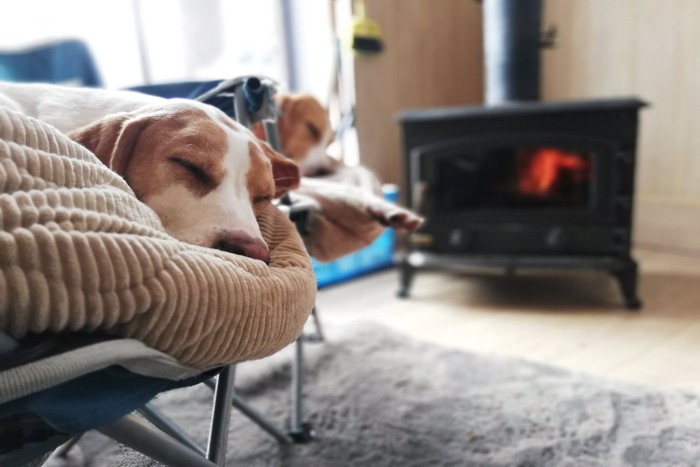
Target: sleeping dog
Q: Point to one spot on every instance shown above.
(205, 175)
(305, 132)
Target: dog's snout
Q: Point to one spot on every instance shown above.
(241, 243)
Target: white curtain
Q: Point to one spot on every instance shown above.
(106, 25)
(211, 39)
(182, 40)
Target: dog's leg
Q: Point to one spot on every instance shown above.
(332, 195)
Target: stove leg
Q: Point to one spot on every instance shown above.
(406, 278)
(627, 278)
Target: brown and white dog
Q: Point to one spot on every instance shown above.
(206, 176)
(305, 133)
(304, 130)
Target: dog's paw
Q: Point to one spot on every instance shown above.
(396, 217)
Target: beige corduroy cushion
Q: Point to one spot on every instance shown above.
(78, 252)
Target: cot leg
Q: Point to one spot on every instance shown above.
(261, 421)
(221, 416)
(165, 424)
(317, 336)
(137, 434)
(299, 432)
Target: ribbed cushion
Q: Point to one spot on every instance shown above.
(79, 252)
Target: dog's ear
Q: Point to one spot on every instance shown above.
(111, 139)
(284, 171)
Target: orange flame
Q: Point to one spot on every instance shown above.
(540, 170)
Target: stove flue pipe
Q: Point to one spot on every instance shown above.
(512, 43)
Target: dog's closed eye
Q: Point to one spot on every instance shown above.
(196, 171)
(314, 131)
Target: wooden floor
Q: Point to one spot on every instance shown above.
(574, 320)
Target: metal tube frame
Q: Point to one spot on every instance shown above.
(156, 416)
(297, 386)
(136, 433)
(221, 416)
(318, 335)
(299, 431)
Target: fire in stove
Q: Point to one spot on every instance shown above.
(542, 171)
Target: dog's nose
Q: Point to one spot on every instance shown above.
(241, 243)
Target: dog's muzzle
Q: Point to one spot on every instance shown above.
(241, 243)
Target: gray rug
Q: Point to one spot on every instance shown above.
(378, 398)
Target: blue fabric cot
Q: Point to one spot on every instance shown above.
(66, 61)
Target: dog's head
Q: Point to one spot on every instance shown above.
(304, 128)
(205, 175)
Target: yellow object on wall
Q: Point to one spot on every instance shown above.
(367, 36)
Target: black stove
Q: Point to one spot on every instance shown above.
(523, 185)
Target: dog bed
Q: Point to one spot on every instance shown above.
(80, 253)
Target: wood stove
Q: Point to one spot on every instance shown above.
(523, 185)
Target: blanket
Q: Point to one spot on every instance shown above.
(79, 252)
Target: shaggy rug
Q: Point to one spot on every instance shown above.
(379, 398)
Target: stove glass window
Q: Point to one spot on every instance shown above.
(513, 178)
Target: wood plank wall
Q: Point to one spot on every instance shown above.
(432, 58)
(650, 49)
(645, 48)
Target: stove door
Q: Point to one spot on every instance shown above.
(520, 178)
